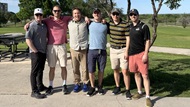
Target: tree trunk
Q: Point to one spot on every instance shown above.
(128, 9)
(155, 20)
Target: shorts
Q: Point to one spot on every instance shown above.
(117, 58)
(137, 65)
(57, 53)
(99, 56)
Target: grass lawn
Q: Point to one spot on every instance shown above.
(172, 36)
(169, 74)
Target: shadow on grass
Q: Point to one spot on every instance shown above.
(169, 78)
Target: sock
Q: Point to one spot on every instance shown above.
(147, 96)
(51, 83)
(64, 82)
(140, 92)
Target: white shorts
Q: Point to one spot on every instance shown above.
(57, 53)
(117, 58)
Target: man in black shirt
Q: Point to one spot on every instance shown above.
(138, 54)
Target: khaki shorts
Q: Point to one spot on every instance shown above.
(137, 65)
(57, 53)
(117, 58)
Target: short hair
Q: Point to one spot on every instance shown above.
(57, 6)
(76, 8)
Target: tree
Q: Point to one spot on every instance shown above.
(3, 20)
(184, 20)
(14, 19)
(172, 4)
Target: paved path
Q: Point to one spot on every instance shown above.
(170, 50)
(15, 91)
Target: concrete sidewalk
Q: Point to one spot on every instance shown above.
(15, 91)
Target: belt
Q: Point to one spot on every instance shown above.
(117, 47)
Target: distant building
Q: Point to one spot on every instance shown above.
(3, 7)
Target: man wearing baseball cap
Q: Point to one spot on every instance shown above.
(138, 55)
(119, 33)
(36, 39)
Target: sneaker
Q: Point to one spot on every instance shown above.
(148, 102)
(85, 88)
(117, 90)
(42, 88)
(38, 95)
(100, 90)
(65, 89)
(76, 88)
(128, 94)
(49, 91)
(91, 91)
(137, 96)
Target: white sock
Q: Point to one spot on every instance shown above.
(51, 83)
(64, 82)
(148, 96)
(140, 92)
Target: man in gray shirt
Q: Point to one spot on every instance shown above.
(78, 47)
(36, 39)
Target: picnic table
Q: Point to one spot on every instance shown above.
(11, 40)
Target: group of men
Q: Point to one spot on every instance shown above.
(129, 46)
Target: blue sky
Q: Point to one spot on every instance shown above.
(144, 7)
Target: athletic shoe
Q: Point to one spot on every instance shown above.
(76, 88)
(148, 102)
(117, 90)
(137, 96)
(85, 88)
(100, 90)
(91, 91)
(49, 91)
(65, 89)
(128, 94)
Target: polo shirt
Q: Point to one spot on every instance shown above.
(138, 36)
(57, 29)
(118, 33)
(38, 35)
(78, 33)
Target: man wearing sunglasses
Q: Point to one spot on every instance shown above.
(119, 33)
(36, 39)
(56, 48)
(138, 55)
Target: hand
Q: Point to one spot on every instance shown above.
(103, 21)
(26, 26)
(145, 58)
(87, 20)
(126, 56)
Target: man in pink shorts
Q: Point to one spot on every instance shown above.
(139, 44)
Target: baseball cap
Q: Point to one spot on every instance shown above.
(96, 10)
(115, 10)
(38, 11)
(134, 11)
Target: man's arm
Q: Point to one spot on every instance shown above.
(127, 47)
(31, 45)
(145, 56)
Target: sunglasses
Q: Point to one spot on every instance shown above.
(56, 11)
(38, 14)
(133, 14)
(115, 14)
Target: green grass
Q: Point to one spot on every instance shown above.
(169, 74)
(172, 36)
